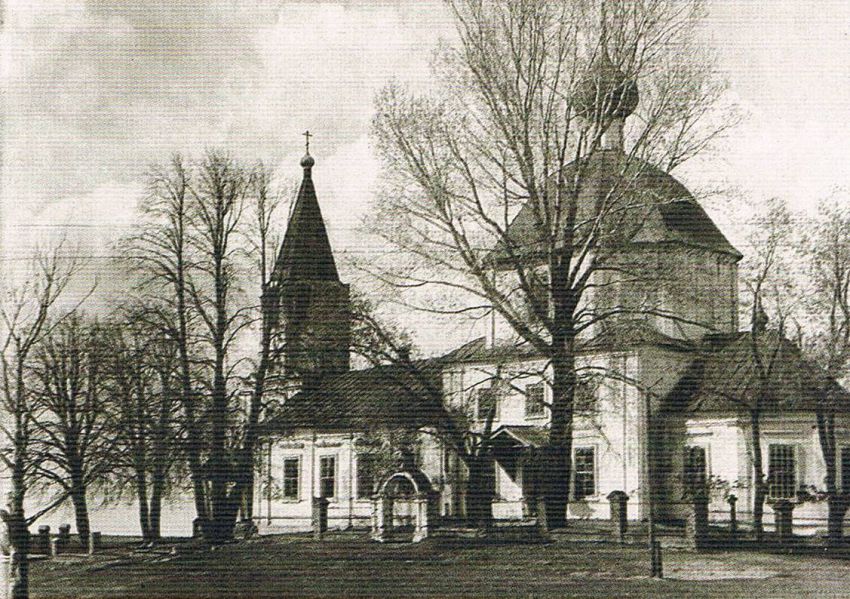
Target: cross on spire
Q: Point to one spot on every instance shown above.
(307, 162)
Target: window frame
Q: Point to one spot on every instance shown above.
(793, 471)
(478, 392)
(592, 472)
(334, 479)
(297, 460)
(357, 482)
(539, 405)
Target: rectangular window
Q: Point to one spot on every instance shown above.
(365, 475)
(781, 472)
(290, 478)
(585, 477)
(486, 402)
(695, 469)
(327, 476)
(845, 469)
(455, 384)
(534, 398)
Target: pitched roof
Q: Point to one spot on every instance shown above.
(724, 378)
(522, 435)
(615, 334)
(391, 396)
(306, 250)
(660, 209)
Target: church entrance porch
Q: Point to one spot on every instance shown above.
(515, 450)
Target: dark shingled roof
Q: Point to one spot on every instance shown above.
(392, 396)
(723, 378)
(306, 251)
(665, 211)
(616, 334)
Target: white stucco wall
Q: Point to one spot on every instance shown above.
(729, 445)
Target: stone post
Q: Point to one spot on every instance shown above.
(376, 517)
(64, 536)
(43, 540)
(94, 543)
(387, 519)
(420, 508)
(55, 546)
(382, 518)
(696, 529)
(320, 517)
(197, 528)
(542, 522)
(783, 515)
(732, 500)
(619, 513)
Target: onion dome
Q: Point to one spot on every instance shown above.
(606, 92)
(307, 161)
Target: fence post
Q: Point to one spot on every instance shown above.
(618, 501)
(94, 542)
(44, 540)
(783, 514)
(320, 517)
(733, 514)
(697, 525)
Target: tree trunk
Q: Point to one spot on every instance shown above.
(837, 503)
(17, 543)
(554, 470)
(81, 511)
(759, 486)
(480, 490)
(193, 440)
(155, 517)
(142, 497)
(19, 537)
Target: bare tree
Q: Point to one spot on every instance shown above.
(72, 437)
(530, 102)
(768, 279)
(143, 380)
(827, 252)
(263, 241)
(26, 318)
(218, 202)
(161, 254)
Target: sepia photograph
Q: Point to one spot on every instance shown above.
(424, 298)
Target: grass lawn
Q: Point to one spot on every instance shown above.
(348, 565)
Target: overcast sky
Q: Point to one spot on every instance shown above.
(95, 91)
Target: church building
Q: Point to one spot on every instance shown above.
(674, 416)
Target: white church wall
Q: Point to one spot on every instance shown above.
(729, 461)
(614, 431)
(345, 509)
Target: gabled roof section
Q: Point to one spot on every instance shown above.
(724, 378)
(402, 396)
(522, 435)
(659, 209)
(306, 254)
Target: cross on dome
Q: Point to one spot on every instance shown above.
(307, 162)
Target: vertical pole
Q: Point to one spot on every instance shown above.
(269, 485)
(654, 545)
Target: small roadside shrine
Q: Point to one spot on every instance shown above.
(406, 500)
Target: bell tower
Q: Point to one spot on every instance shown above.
(311, 327)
